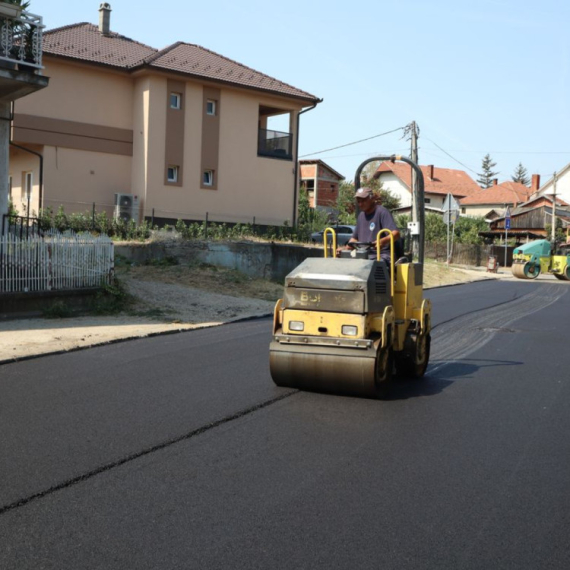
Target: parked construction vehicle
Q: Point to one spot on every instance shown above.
(535, 257)
(345, 323)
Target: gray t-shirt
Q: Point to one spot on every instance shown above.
(368, 226)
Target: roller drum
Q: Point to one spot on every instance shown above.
(525, 270)
(355, 372)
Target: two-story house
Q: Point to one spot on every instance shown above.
(180, 132)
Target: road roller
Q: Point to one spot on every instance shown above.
(349, 324)
(535, 257)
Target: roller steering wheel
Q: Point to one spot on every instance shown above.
(355, 244)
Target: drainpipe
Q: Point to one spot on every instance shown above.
(41, 196)
(296, 169)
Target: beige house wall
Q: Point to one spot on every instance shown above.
(89, 104)
(247, 185)
(478, 211)
(84, 94)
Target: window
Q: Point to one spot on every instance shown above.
(208, 178)
(210, 107)
(427, 200)
(27, 186)
(172, 174)
(175, 101)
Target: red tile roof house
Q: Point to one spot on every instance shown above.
(438, 183)
(321, 182)
(491, 202)
(181, 132)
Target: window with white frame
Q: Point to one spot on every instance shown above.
(175, 101)
(208, 178)
(172, 173)
(27, 186)
(211, 107)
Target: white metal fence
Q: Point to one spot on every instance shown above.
(55, 262)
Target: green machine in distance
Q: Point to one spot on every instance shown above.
(536, 257)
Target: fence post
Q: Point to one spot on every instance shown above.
(206, 227)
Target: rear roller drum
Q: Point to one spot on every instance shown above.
(413, 361)
(565, 275)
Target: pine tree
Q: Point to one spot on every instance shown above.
(521, 175)
(486, 177)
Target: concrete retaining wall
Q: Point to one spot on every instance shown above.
(266, 260)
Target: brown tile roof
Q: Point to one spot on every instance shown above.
(84, 42)
(504, 193)
(444, 180)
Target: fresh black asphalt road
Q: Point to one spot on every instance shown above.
(179, 452)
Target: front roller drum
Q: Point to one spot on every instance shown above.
(343, 371)
(526, 270)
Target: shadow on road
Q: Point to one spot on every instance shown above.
(440, 375)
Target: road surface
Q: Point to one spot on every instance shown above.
(179, 452)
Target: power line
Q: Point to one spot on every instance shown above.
(355, 142)
(452, 157)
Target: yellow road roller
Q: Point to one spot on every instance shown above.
(346, 324)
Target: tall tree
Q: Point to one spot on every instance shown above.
(521, 175)
(486, 177)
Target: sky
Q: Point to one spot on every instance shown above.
(490, 76)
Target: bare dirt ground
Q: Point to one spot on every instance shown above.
(171, 299)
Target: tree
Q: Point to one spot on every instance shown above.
(486, 177)
(521, 175)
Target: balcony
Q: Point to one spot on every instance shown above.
(20, 53)
(274, 144)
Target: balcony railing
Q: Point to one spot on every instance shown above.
(21, 41)
(274, 144)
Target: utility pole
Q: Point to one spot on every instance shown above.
(553, 230)
(414, 132)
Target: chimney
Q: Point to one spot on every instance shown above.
(535, 182)
(495, 181)
(430, 171)
(105, 18)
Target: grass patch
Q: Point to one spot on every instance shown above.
(111, 300)
(58, 310)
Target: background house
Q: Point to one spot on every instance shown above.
(180, 132)
(491, 202)
(438, 182)
(321, 182)
(562, 185)
(529, 220)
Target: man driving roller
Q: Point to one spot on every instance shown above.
(373, 217)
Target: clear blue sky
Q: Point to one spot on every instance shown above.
(490, 76)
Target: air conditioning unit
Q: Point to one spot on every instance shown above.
(126, 207)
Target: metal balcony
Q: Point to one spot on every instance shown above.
(20, 53)
(274, 144)
(21, 41)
